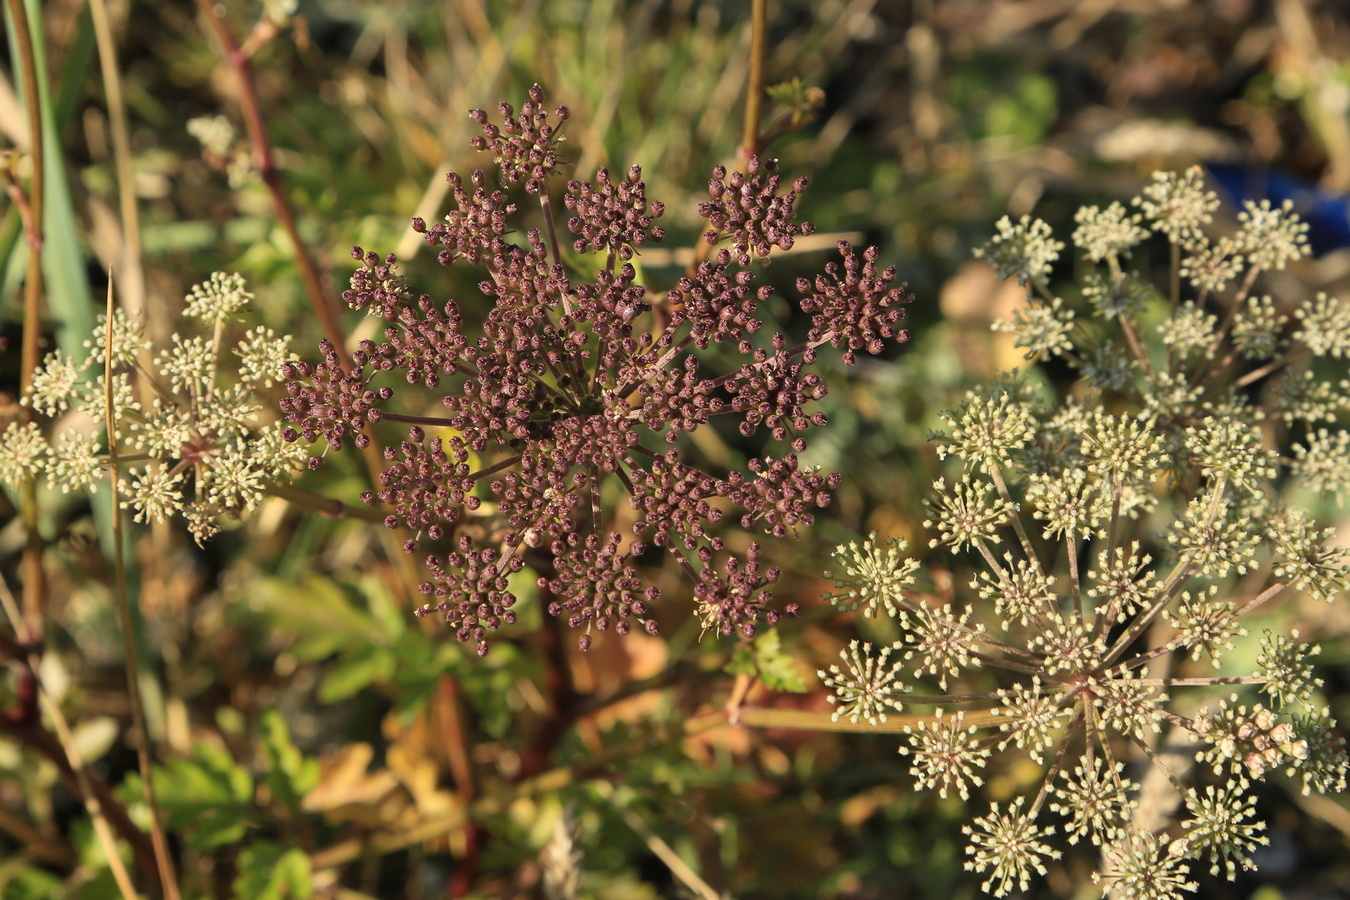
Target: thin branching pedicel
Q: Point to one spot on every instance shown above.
(1116, 543)
(567, 393)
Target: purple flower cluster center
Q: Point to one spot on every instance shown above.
(564, 395)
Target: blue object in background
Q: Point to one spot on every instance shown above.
(1327, 214)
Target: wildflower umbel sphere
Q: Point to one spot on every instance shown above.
(199, 448)
(1115, 538)
(567, 387)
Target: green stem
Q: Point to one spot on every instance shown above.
(810, 720)
(1057, 763)
(322, 505)
(997, 475)
(1232, 312)
(1200, 682)
(1258, 374)
(1136, 347)
(134, 276)
(1259, 599)
(754, 88)
(163, 861)
(1183, 570)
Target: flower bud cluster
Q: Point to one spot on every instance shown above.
(557, 400)
(196, 445)
(747, 207)
(525, 147)
(1254, 741)
(1115, 534)
(614, 217)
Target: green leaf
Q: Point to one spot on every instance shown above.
(29, 883)
(390, 617)
(355, 671)
(319, 611)
(1026, 112)
(101, 886)
(421, 663)
(69, 312)
(269, 871)
(743, 661)
(206, 798)
(69, 302)
(486, 682)
(766, 660)
(290, 774)
(777, 669)
(76, 62)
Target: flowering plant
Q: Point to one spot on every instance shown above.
(573, 379)
(197, 444)
(1121, 530)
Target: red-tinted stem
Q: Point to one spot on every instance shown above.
(34, 577)
(322, 299)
